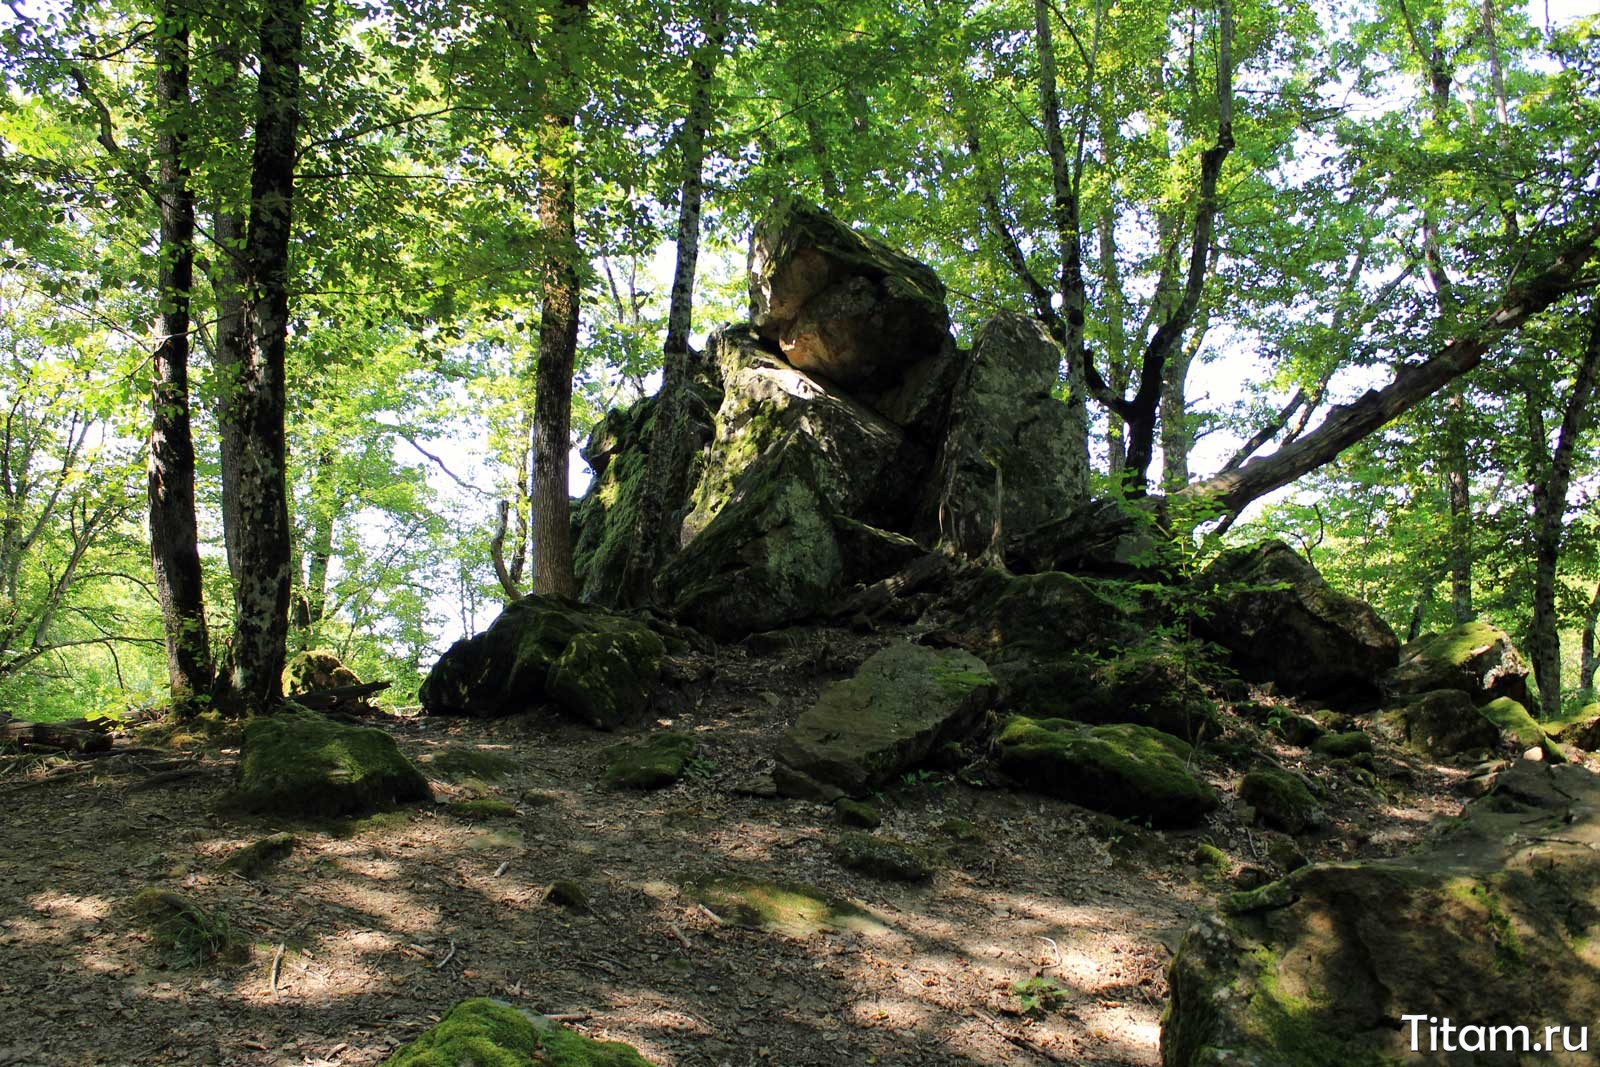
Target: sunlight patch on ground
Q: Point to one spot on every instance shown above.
(90, 909)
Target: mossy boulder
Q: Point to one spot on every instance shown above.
(490, 1033)
(300, 764)
(1494, 924)
(1439, 724)
(1008, 442)
(839, 303)
(1520, 728)
(790, 908)
(1301, 730)
(651, 763)
(1343, 745)
(883, 856)
(596, 666)
(1580, 730)
(1281, 622)
(902, 704)
(1122, 769)
(1474, 657)
(316, 669)
(850, 812)
(1281, 800)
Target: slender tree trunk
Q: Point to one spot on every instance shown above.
(1588, 661)
(1549, 512)
(670, 441)
(558, 328)
(254, 453)
(1458, 487)
(1177, 439)
(174, 540)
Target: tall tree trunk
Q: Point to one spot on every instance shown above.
(254, 453)
(174, 540)
(1549, 511)
(558, 324)
(1177, 439)
(1588, 661)
(1458, 486)
(670, 441)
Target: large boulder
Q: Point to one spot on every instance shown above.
(1355, 963)
(625, 526)
(1439, 724)
(299, 764)
(840, 304)
(1474, 657)
(902, 704)
(793, 460)
(596, 666)
(491, 1033)
(1009, 445)
(1127, 770)
(1280, 622)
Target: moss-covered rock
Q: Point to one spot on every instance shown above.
(316, 669)
(854, 813)
(1127, 770)
(1578, 729)
(1300, 730)
(883, 856)
(1343, 746)
(303, 765)
(184, 931)
(595, 665)
(1439, 724)
(651, 763)
(1212, 861)
(1007, 428)
(902, 704)
(1494, 924)
(1474, 657)
(489, 1033)
(1282, 623)
(250, 860)
(1520, 728)
(784, 907)
(1281, 800)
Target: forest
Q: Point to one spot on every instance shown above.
(550, 386)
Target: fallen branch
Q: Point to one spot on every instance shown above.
(277, 962)
(448, 956)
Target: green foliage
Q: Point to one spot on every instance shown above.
(1040, 995)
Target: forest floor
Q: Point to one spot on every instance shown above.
(372, 929)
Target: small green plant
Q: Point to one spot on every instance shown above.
(186, 933)
(1036, 996)
(701, 766)
(922, 776)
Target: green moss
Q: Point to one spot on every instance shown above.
(1343, 746)
(256, 857)
(488, 1033)
(1281, 799)
(784, 907)
(1490, 915)
(1127, 770)
(454, 764)
(963, 830)
(855, 813)
(185, 932)
(603, 677)
(884, 857)
(1213, 862)
(377, 822)
(1514, 719)
(485, 808)
(566, 893)
(1298, 1029)
(655, 762)
(301, 764)
(1269, 897)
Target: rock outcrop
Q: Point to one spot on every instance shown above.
(1493, 926)
(1281, 622)
(1474, 657)
(595, 666)
(902, 704)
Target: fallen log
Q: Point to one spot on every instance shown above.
(76, 735)
(323, 699)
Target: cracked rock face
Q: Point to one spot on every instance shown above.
(1009, 445)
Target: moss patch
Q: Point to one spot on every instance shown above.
(455, 764)
(1514, 719)
(653, 763)
(300, 764)
(185, 932)
(488, 1033)
(485, 808)
(855, 813)
(1343, 746)
(256, 857)
(783, 907)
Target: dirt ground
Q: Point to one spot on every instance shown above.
(370, 930)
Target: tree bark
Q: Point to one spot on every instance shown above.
(1346, 424)
(558, 325)
(1588, 661)
(1549, 512)
(252, 365)
(174, 539)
